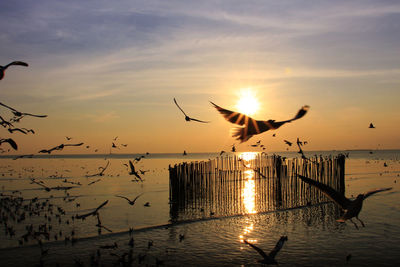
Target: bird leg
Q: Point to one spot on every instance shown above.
(354, 224)
(362, 223)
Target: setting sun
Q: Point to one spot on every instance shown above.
(248, 103)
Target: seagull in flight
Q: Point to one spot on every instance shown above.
(14, 63)
(133, 171)
(59, 147)
(270, 258)
(21, 114)
(187, 118)
(131, 202)
(371, 126)
(92, 213)
(352, 207)
(10, 141)
(250, 126)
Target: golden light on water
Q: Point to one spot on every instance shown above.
(248, 103)
(248, 193)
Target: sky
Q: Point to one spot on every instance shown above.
(101, 69)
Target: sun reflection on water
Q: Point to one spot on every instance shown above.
(248, 194)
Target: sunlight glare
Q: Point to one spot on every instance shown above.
(248, 103)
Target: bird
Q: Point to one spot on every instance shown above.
(233, 148)
(371, 126)
(92, 213)
(10, 141)
(287, 142)
(270, 258)
(250, 126)
(184, 153)
(59, 147)
(131, 202)
(14, 63)
(21, 114)
(133, 171)
(187, 118)
(68, 138)
(352, 207)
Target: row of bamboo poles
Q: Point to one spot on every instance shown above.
(227, 186)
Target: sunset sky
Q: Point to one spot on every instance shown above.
(101, 69)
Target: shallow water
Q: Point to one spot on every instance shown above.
(314, 236)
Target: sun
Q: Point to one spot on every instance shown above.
(248, 103)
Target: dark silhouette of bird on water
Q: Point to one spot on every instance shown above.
(352, 207)
(187, 118)
(270, 258)
(133, 171)
(131, 202)
(14, 63)
(250, 126)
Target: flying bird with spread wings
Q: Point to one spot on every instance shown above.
(351, 207)
(250, 126)
(187, 118)
(269, 258)
(14, 63)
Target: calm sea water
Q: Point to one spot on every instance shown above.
(314, 236)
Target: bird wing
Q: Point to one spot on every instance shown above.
(19, 63)
(132, 166)
(278, 246)
(99, 207)
(232, 116)
(33, 115)
(11, 142)
(329, 191)
(179, 107)
(370, 193)
(193, 119)
(123, 197)
(259, 250)
(300, 113)
(73, 144)
(134, 200)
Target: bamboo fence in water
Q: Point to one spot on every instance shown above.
(230, 185)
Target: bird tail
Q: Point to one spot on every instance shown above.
(240, 134)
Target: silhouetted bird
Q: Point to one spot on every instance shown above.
(233, 148)
(10, 141)
(21, 114)
(287, 142)
(92, 213)
(131, 202)
(184, 152)
(187, 118)
(133, 171)
(270, 258)
(351, 207)
(14, 63)
(251, 126)
(371, 126)
(68, 138)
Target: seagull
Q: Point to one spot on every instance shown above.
(287, 142)
(68, 138)
(133, 171)
(14, 63)
(251, 126)
(131, 202)
(92, 213)
(59, 147)
(21, 114)
(233, 148)
(371, 126)
(187, 118)
(352, 207)
(269, 259)
(10, 141)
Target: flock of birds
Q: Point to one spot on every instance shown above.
(17, 209)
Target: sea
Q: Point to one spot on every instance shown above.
(56, 188)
